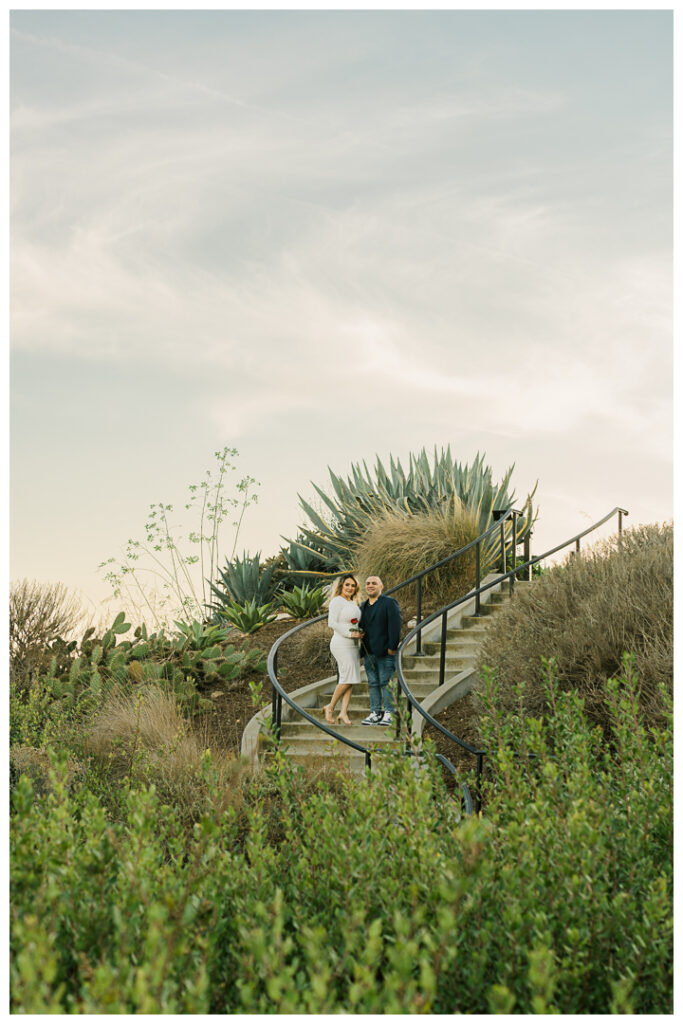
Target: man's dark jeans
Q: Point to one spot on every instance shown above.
(379, 670)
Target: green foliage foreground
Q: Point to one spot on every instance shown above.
(368, 897)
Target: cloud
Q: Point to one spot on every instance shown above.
(170, 217)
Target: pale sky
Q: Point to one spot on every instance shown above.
(324, 236)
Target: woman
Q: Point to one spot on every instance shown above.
(343, 619)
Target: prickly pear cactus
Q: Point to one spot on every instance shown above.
(196, 655)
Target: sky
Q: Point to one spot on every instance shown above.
(321, 237)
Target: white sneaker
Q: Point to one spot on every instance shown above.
(374, 718)
(386, 719)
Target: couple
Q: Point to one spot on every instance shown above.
(376, 627)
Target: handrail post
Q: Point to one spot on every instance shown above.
(527, 552)
(477, 597)
(578, 545)
(620, 519)
(502, 547)
(273, 708)
(278, 724)
(418, 616)
(442, 660)
(514, 539)
(480, 766)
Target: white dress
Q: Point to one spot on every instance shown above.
(345, 649)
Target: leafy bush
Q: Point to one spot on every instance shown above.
(373, 897)
(363, 498)
(613, 598)
(303, 602)
(248, 617)
(397, 547)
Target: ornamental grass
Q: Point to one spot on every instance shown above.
(144, 738)
(398, 546)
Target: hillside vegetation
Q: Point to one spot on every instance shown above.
(152, 875)
(616, 597)
(329, 895)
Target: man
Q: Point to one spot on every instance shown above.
(380, 626)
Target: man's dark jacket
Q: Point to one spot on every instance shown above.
(381, 623)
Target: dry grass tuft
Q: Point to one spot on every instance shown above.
(615, 598)
(146, 738)
(398, 546)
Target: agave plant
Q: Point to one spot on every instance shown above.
(356, 502)
(305, 558)
(303, 602)
(244, 580)
(249, 616)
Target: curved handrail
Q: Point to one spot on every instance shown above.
(279, 694)
(476, 593)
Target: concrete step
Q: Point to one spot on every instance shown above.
(430, 662)
(356, 710)
(420, 680)
(422, 683)
(465, 647)
(350, 761)
(475, 623)
(369, 736)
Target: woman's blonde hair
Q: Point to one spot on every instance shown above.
(340, 583)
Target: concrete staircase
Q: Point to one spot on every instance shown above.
(307, 744)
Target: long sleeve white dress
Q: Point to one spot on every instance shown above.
(343, 615)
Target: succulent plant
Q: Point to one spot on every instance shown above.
(244, 580)
(364, 496)
(306, 559)
(303, 602)
(197, 653)
(248, 617)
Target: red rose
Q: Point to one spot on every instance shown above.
(354, 621)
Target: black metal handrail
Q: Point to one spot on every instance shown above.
(279, 694)
(476, 593)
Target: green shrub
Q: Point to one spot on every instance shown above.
(584, 838)
(368, 897)
(303, 602)
(397, 547)
(613, 598)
